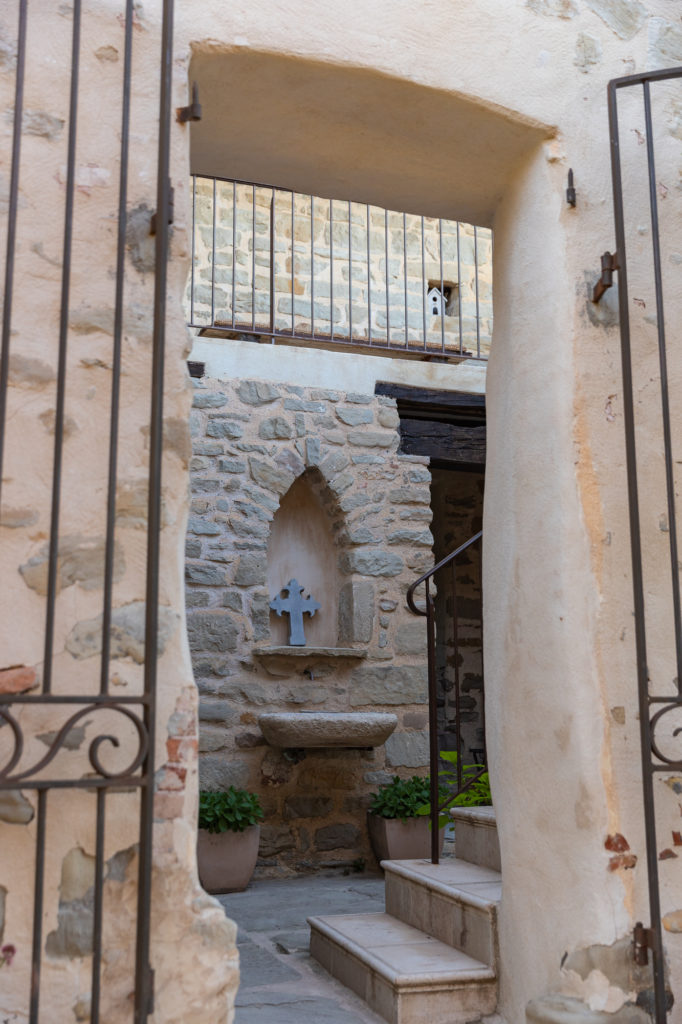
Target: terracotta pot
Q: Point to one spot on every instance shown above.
(226, 859)
(392, 839)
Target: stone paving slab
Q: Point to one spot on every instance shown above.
(280, 982)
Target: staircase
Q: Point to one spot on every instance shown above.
(433, 955)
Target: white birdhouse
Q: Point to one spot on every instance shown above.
(435, 302)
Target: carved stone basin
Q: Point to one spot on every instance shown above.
(327, 728)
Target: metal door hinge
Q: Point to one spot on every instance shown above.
(570, 191)
(192, 112)
(171, 212)
(643, 940)
(609, 263)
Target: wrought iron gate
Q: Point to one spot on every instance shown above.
(69, 708)
(660, 696)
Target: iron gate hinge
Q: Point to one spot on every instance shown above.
(171, 212)
(609, 263)
(643, 940)
(192, 112)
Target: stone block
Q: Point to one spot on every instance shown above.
(275, 839)
(356, 612)
(247, 740)
(252, 569)
(254, 392)
(231, 466)
(211, 710)
(307, 807)
(192, 548)
(337, 837)
(389, 418)
(15, 808)
(276, 428)
(411, 638)
(204, 527)
(212, 631)
(420, 538)
(372, 439)
(269, 477)
(333, 464)
(353, 417)
(211, 738)
(80, 560)
(624, 17)
(388, 684)
(407, 750)
(127, 633)
(409, 496)
(205, 575)
(209, 399)
(224, 428)
(218, 772)
(358, 399)
(371, 563)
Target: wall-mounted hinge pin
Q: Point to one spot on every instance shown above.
(609, 263)
(570, 191)
(192, 112)
(643, 940)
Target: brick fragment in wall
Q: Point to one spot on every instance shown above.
(337, 837)
(17, 679)
(388, 684)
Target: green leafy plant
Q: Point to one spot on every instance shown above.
(231, 811)
(477, 793)
(402, 798)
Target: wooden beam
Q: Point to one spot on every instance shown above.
(443, 442)
(453, 404)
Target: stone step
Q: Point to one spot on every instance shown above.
(405, 976)
(476, 835)
(454, 902)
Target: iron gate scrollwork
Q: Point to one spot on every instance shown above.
(654, 704)
(134, 713)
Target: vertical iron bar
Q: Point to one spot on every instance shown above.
(423, 288)
(312, 266)
(38, 898)
(369, 281)
(97, 916)
(116, 355)
(665, 398)
(388, 308)
(636, 557)
(407, 315)
(478, 311)
(234, 244)
(331, 268)
(213, 258)
(194, 245)
(350, 272)
(293, 319)
(442, 286)
(142, 969)
(272, 261)
(459, 295)
(433, 722)
(253, 257)
(12, 223)
(455, 637)
(480, 604)
(61, 366)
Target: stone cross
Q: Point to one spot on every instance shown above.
(294, 605)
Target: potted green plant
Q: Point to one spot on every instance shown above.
(397, 828)
(477, 793)
(227, 844)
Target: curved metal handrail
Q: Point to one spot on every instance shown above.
(434, 755)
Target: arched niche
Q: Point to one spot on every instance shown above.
(302, 546)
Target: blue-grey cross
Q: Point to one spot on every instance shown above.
(294, 605)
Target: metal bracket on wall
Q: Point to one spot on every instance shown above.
(609, 263)
(643, 940)
(192, 112)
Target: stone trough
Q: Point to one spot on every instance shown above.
(306, 729)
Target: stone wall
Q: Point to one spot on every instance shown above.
(251, 442)
(457, 502)
(327, 258)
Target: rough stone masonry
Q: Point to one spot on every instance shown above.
(251, 441)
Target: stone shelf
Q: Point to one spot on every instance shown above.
(309, 652)
(323, 729)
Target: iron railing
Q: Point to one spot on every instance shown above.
(446, 570)
(20, 769)
(292, 268)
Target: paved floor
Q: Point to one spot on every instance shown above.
(280, 982)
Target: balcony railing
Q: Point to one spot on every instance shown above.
(279, 266)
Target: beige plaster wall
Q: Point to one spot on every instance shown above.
(521, 102)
